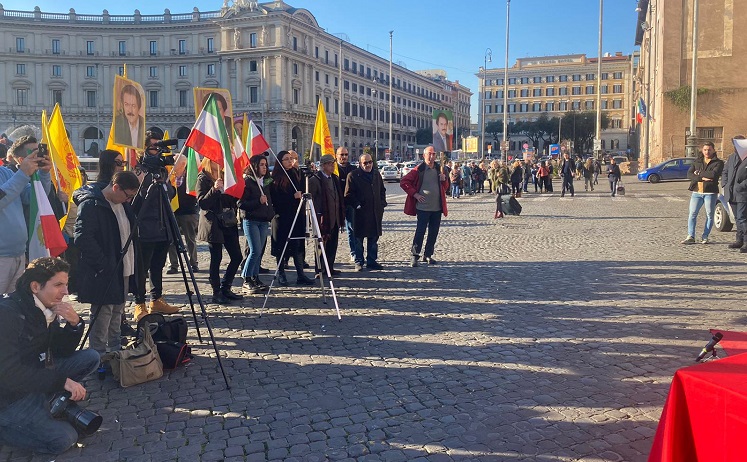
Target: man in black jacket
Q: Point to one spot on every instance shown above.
(737, 202)
(38, 359)
(366, 195)
(104, 223)
(703, 174)
(344, 167)
(327, 196)
(567, 170)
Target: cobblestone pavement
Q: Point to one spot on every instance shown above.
(547, 337)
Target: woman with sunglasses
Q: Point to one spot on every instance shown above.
(286, 191)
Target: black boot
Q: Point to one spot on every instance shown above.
(218, 297)
(228, 293)
(258, 283)
(301, 278)
(736, 245)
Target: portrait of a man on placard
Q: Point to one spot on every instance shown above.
(129, 113)
(223, 97)
(443, 130)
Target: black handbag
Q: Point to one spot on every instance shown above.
(227, 218)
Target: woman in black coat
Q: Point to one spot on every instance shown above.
(214, 204)
(613, 175)
(286, 191)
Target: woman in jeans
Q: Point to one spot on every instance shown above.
(256, 211)
(456, 177)
(286, 191)
(214, 204)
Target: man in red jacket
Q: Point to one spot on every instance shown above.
(426, 188)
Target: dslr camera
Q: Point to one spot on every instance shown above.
(154, 163)
(84, 421)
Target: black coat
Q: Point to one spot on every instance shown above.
(613, 172)
(330, 219)
(712, 170)
(342, 173)
(368, 198)
(285, 210)
(212, 202)
(728, 179)
(24, 336)
(97, 236)
(250, 208)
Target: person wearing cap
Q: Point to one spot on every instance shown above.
(326, 194)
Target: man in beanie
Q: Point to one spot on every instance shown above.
(326, 194)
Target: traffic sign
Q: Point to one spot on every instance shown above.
(490, 148)
(597, 145)
(554, 150)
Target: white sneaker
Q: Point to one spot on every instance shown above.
(689, 240)
(705, 241)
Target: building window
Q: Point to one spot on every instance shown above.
(576, 105)
(512, 93)
(22, 97)
(91, 71)
(604, 104)
(20, 45)
(488, 108)
(20, 69)
(211, 69)
(182, 47)
(590, 89)
(335, 59)
(122, 48)
(525, 80)
(524, 92)
(499, 93)
(615, 123)
(536, 107)
(346, 85)
(550, 78)
(91, 98)
(121, 71)
(498, 108)
(153, 98)
(604, 89)
(617, 104)
(89, 47)
(537, 80)
(524, 107)
(253, 95)
(576, 77)
(316, 52)
(182, 71)
(316, 75)
(488, 94)
(57, 97)
(355, 88)
(295, 43)
(210, 45)
(550, 92)
(512, 108)
(337, 106)
(549, 106)
(326, 104)
(590, 76)
(56, 70)
(295, 68)
(617, 89)
(326, 79)
(55, 46)
(512, 81)
(562, 78)
(589, 105)
(153, 48)
(605, 76)
(153, 72)
(562, 106)
(296, 96)
(182, 98)
(326, 57)
(253, 65)
(617, 75)
(537, 92)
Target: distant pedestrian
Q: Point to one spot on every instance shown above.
(589, 175)
(455, 176)
(597, 171)
(527, 170)
(704, 174)
(736, 197)
(426, 198)
(543, 173)
(517, 176)
(613, 176)
(504, 178)
(567, 170)
(535, 177)
(467, 178)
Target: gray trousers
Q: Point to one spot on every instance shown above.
(104, 333)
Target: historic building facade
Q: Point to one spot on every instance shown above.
(276, 61)
(664, 32)
(554, 85)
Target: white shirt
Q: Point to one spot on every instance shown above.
(48, 314)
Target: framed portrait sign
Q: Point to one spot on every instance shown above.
(129, 113)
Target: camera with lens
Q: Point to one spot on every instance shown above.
(155, 162)
(306, 168)
(85, 422)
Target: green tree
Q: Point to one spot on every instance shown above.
(494, 129)
(580, 127)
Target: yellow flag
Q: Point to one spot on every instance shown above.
(245, 131)
(321, 132)
(110, 143)
(63, 157)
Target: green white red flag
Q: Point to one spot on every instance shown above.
(45, 236)
(233, 168)
(209, 137)
(256, 142)
(193, 169)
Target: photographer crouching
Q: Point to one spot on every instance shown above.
(40, 370)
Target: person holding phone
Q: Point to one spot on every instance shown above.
(15, 194)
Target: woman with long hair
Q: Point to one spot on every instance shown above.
(517, 175)
(219, 228)
(256, 211)
(110, 162)
(286, 191)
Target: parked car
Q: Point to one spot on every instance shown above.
(723, 217)
(407, 167)
(389, 173)
(673, 169)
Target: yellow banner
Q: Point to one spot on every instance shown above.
(63, 157)
(322, 136)
(470, 144)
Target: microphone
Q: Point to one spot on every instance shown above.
(710, 346)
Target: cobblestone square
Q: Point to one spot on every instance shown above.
(552, 336)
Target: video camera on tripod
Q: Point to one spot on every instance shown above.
(155, 162)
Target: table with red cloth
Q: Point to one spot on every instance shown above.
(705, 416)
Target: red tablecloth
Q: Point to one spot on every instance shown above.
(705, 416)
(733, 343)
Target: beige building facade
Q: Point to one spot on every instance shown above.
(275, 59)
(555, 85)
(664, 32)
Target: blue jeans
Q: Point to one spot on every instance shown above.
(349, 216)
(27, 423)
(372, 250)
(697, 200)
(454, 190)
(256, 236)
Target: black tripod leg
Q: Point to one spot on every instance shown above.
(184, 265)
(94, 317)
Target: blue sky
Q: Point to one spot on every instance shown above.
(434, 34)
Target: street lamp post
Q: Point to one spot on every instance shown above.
(376, 122)
(692, 138)
(488, 59)
(504, 147)
(598, 140)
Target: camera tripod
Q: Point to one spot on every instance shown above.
(185, 265)
(314, 233)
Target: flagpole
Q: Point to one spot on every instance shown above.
(342, 98)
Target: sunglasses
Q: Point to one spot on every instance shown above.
(370, 162)
(119, 163)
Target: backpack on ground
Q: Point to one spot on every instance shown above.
(170, 336)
